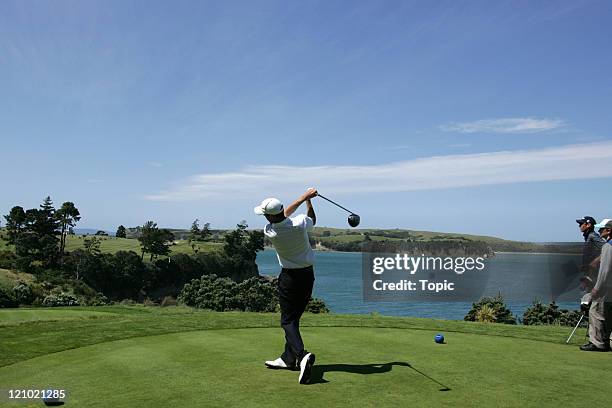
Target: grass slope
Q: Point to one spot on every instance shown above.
(137, 357)
(9, 278)
(110, 245)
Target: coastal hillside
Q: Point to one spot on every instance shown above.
(326, 238)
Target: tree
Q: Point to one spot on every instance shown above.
(46, 228)
(92, 245)
(194, 232)
(47, 223)
(34, 235)
(195, 236)
(147, 233)
(243, 243)
(205, 232)
(241, 248)
(161, 243)
(154, 241)
(121, 232)
(67, 216)
(15, 223)
(102, 233)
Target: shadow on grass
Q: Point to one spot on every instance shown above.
(318, 371)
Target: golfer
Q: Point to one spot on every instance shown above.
(600, 312)
(289, 235)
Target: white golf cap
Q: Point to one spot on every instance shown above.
(607, 223)
(269, 206)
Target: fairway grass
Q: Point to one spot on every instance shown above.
(20, 316)
(148, 357)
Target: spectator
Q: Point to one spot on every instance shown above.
(600, 312)
(592, 247)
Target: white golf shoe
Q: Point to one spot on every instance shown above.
(276, 364)
(306, 368)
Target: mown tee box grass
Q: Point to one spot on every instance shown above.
(150, 356)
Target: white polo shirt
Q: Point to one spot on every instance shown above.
(290, 239)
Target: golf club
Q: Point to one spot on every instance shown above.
(353, 218)
(575, 328)
(585, 305)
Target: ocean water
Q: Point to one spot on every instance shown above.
(338, 281)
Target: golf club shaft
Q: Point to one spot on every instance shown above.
(345, 209)
(575, 328)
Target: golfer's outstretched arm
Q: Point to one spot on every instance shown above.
(310, 193)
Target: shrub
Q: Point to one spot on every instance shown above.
(23, 293)
(538, 314)
(6, 298)
(257, 294)
(211, 292)
(117, 276)
(8, 259)
(98, 300)
(60, 299)
(569, 317)
(316, 305)
(486, 314)
(498, 310)
(24, 264)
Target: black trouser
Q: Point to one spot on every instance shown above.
(294, 291)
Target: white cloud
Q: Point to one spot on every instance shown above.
(505, 125)
(572, 162)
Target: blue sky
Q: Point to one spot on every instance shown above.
(478, 117)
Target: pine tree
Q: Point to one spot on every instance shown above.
(67, 217)
(121, 232)
(195, 236)
(15, 223)
(205, 232)
(47, 224)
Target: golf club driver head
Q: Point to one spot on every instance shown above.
(353, 220)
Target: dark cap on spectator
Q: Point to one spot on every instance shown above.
(586, 219)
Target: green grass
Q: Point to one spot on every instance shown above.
(111, 245)
(9, 278)
(19, 316)
(138, 356)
